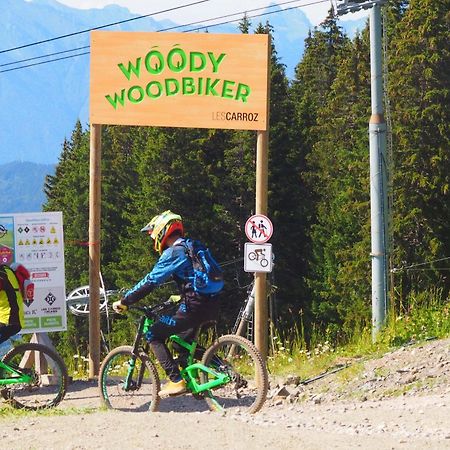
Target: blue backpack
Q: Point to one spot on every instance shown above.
(208, 276)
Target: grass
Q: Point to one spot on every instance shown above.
(426, 316)
(7, 411)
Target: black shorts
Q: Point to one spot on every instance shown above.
(186, 320)
(6, 331)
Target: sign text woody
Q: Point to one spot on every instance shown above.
(179, 79)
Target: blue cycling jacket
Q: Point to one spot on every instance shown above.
(173, 262)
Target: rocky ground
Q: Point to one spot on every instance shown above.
(398, 401)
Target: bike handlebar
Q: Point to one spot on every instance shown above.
(153, 310)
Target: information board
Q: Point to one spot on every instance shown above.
(36, 241)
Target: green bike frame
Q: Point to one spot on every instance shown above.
(15, 376)
(191, 373)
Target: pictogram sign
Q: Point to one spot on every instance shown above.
(259, 229)
(257, 257)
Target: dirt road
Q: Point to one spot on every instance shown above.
(333, 413)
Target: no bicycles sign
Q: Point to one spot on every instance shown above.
(257, 257)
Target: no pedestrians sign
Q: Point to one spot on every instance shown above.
(259, 229)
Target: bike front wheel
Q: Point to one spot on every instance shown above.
(128, 382)
(48, 375)
(248, 383)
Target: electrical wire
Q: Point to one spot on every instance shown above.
(244, 12)
(439, 269)
(44, 62)
(162, 30)
(103, 26)
(413, 266)
(44, 56)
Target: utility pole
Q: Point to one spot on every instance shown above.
(378, 164)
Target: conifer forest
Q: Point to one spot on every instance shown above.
(319, 199)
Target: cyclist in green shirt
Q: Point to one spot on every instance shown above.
(12, 280)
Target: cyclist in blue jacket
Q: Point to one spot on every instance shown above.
(167, 232)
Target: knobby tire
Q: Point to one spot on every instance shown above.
(50, 378)
(113, 372)
(247, 389)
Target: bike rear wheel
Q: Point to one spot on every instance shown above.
(241, 361)
(48, 372)
(126, 388)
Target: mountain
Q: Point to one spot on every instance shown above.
(39, 105)
(21, 186)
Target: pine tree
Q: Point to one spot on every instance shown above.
(339, 177)
(419, 94)
(245, 24)
(325, 47)
(68, 191)
(316, 72)
(286, 192)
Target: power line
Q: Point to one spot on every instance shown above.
(258, 15)
(413, 266)
(162, 30)
(46, 56)
(244, 12)
(103, 26)
(45, 62)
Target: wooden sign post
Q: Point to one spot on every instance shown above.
(94, 248)
(261, 306)
(188, 80)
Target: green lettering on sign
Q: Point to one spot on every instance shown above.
(131, 69)
(201, 60)
(154, 62)
(172, 86)
(242, 92)
(188, 86)
(227, 89)
(210, 87)
(176, 60)
(216, 61)
(50, 322)
(31, 322)
(116, 99)
(136, 94)
(159, 89)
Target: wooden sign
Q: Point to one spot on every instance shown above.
(188, 80)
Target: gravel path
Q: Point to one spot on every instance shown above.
(399, 401)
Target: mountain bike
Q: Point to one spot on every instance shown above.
(32, 376)
(229, 375)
